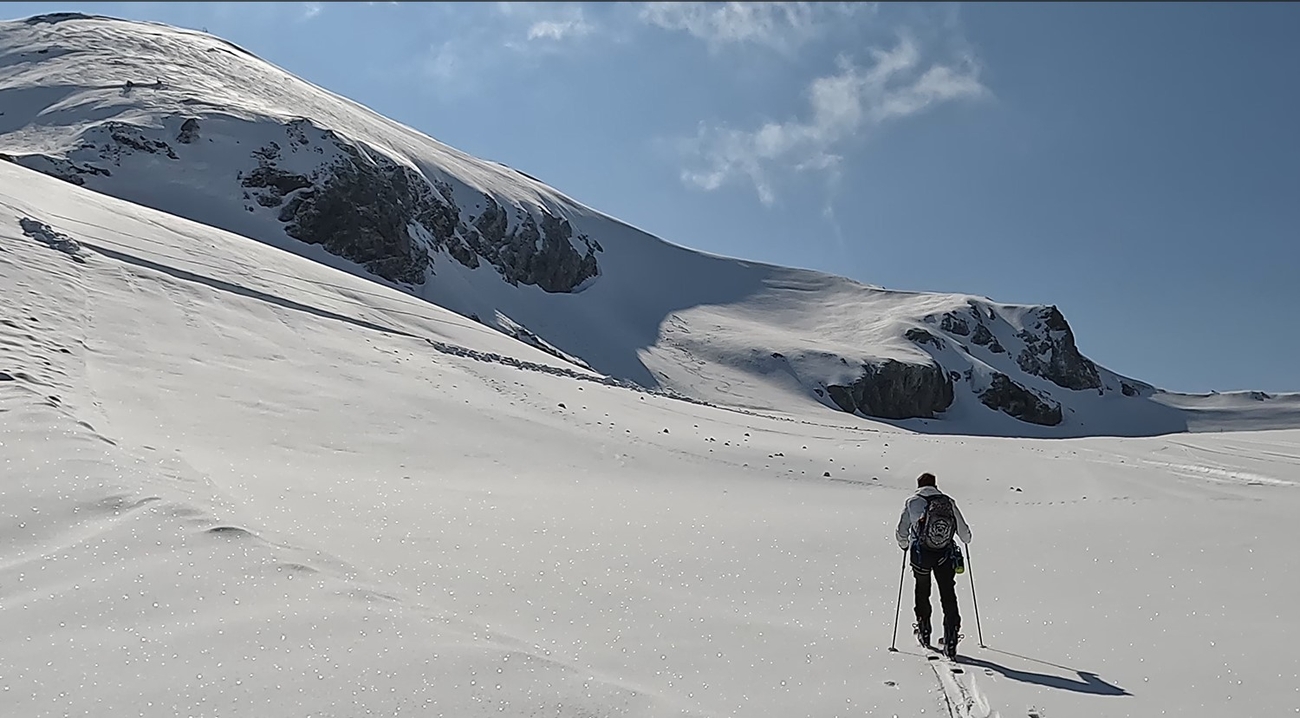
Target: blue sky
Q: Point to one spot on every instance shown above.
(1138, 165)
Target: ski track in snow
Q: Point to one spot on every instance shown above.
(961, 693)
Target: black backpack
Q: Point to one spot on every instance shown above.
(935, 529)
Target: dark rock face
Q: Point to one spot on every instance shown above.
(362, 205)
(896, 390)
(361, 212)
(130, 138)
(277, 183)
(367, 208)
(109, 142)
(189, 132)
(1051, 354)
(1016, 401)
(59, 168)
(983, 337)
(954, 324)
(921, 336)
(542, 255)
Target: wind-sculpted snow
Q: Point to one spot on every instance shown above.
(198, 128)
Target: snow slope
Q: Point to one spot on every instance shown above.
(241, 483)
(187, 123)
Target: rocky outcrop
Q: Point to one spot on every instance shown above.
(52, 238)
(189, 132)
(358, 210)
(124, 138)
(542, 255)
(1016, 401)
(59, 167)
(359, 204)
(896, 390)
(1131, 387)
(983, 337)
(954, 324)
(274, 182)
(106, 143)
(367, 208)
(1050, 353)
(921, 336)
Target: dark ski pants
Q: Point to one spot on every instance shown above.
(944, 576)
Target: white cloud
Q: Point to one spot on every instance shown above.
(782, 26)
(842, 107)
(551, 22)
(504, 34)
(310, 10)
(559, 29)
(542, 21)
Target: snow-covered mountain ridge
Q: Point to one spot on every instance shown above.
(197, 127)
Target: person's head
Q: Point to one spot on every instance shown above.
(926, 479)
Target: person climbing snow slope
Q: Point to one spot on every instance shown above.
(930, 519)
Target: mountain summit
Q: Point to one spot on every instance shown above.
(195, 126)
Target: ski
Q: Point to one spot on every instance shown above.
(938, 656)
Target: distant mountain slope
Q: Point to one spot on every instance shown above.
(194, 126)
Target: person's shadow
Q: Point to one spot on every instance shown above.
(1087, 682)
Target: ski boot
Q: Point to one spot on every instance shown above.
(949, 643)
(922, 630)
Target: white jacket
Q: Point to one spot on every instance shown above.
(914, 509)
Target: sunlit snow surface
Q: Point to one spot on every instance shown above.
(236, 482)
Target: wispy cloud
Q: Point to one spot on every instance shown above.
(559, 29)
(310, 10)
(503, 32)
(551, 23)
(842, 108)
(783, 26)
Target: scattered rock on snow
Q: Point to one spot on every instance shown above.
(47, 235)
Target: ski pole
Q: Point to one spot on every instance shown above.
(899, 605)
(974, 600)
